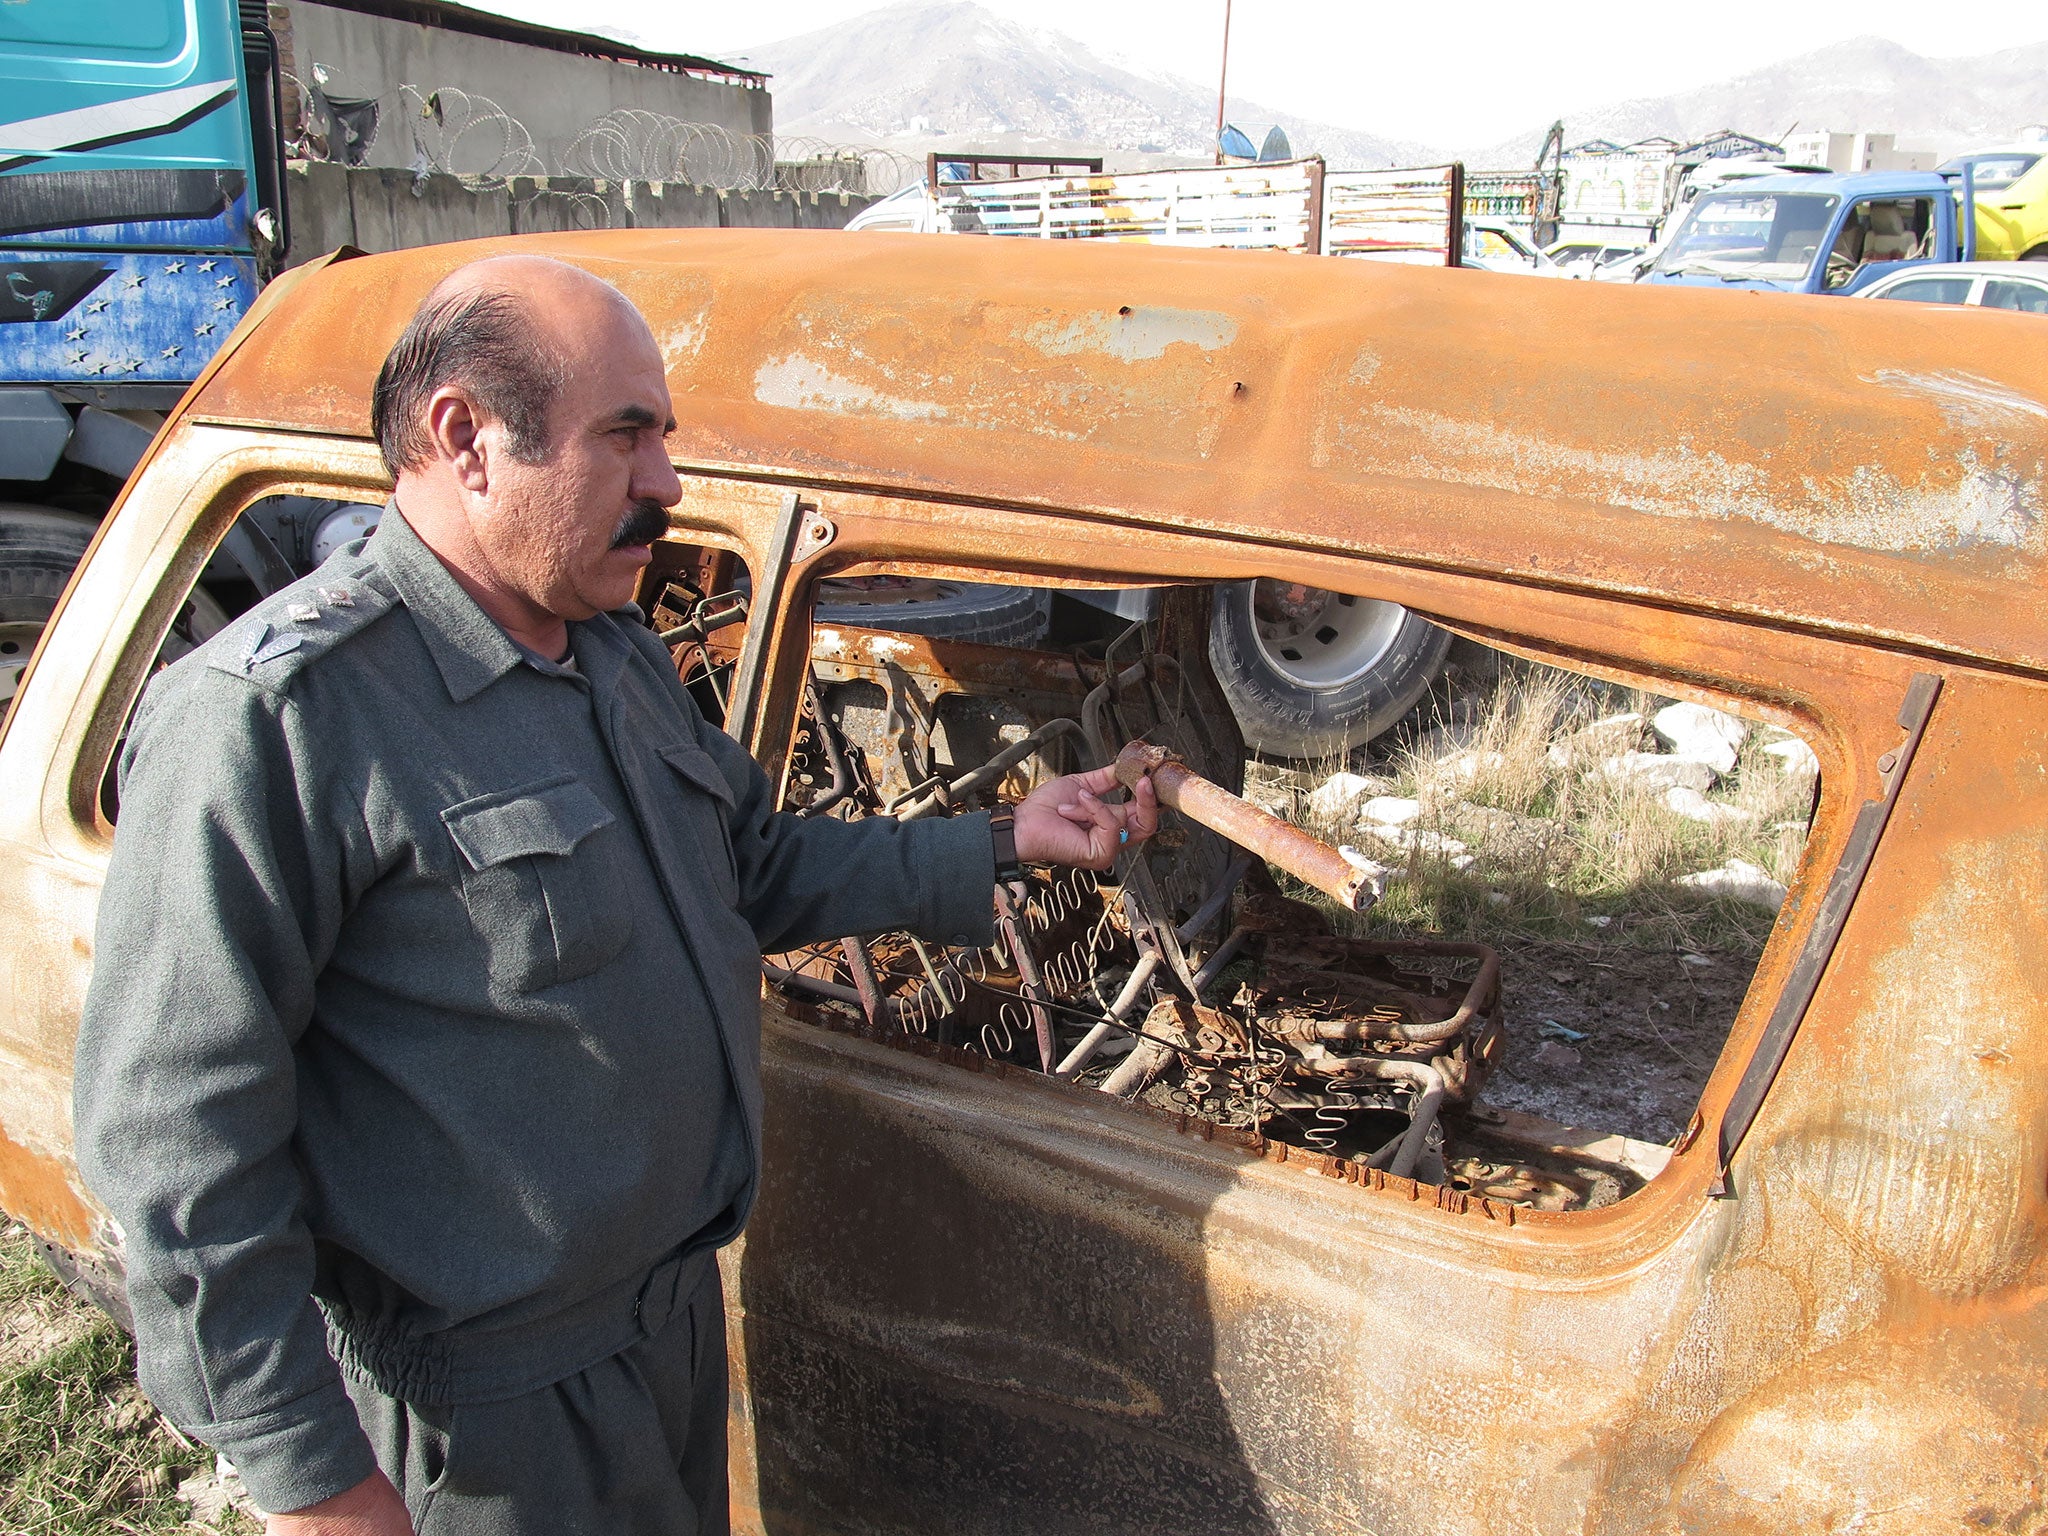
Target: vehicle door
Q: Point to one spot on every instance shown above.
(1875, 235)
(979, 1296)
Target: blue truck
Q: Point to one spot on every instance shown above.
(141, 208)
(1814, 234)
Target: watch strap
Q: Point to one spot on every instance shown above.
(1002, 831)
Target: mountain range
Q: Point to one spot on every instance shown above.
(925, 74)
(1865, 83)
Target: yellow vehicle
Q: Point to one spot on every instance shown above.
(1289, 1265)
(2012, 200)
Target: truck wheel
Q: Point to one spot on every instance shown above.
(2038, 253)
(944, 610)
(1311, 674)
(38, 548)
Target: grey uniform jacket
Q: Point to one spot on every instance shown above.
(427, 984)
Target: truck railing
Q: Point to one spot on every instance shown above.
(1415, 216)
(1295, 205)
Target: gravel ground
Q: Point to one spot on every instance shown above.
(1654, 1023)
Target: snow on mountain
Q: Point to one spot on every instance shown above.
(1864, 84)
(922, 72)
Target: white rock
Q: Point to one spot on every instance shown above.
(1657, 771)
(1694, 806)
(1469, 765)
(1603, 738)
(1390, 810)
(1693, 730)
(1421, 840)
(1333, 799)
(1794, 756)
(1741, 880)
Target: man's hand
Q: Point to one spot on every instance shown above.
(371, 1508)
(1065, 822)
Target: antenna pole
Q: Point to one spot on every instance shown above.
(1222, 76)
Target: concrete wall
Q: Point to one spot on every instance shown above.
(385, 210)
(554, 96)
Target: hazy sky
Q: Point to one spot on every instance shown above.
(1448, 72)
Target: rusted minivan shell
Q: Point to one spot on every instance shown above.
(985, 1301)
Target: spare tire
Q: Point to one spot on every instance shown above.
(945, 610)
(38, 549)
(1312, 674)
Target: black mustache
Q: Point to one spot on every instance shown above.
(647, 522)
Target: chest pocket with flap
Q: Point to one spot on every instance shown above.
(707, 802)
(540, 881)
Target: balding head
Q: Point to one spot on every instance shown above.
(508, 329)
(522, 414)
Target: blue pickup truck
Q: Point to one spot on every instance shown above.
(141, 207)
(1812, 234)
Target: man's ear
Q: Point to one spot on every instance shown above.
(456, 430)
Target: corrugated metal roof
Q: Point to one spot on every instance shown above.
(462, 18)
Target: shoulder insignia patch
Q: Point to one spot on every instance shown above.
(303, 622)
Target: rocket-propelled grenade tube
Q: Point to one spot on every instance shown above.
(1306, 858)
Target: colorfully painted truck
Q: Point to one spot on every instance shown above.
(140, 210)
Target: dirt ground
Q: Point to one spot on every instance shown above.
(1654, 1022)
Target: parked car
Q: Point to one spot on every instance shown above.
(1992, 284)
(2011, 187)
(1316, 1281)
(1495, 246)
(1581, 257)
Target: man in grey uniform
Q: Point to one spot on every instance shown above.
(420, 1062)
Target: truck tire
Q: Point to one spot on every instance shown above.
(1312, 674)
(943, 610)
(2038, 253)
(38, 548)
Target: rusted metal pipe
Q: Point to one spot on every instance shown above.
(1308, 859)
(814, 986)
(1206, 914)
(993, 770)
(1011, 927)
(1091, 1042)
(1482, 993)
(1402, 1154)
(1221, 956)
(1135, 1073)
(865, 981)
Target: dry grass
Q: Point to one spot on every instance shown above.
(82, 1453)
(1557, 851)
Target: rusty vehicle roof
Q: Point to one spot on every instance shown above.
(1863, 468)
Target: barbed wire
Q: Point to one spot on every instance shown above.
(469, 136)
(463, 134)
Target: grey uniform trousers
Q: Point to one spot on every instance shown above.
(632, 1446)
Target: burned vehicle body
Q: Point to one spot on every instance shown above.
(979, 1295)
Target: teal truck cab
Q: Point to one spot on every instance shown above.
(1812, 234)
(140, 210)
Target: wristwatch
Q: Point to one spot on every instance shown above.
(1002, 831)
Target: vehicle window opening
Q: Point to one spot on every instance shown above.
(1881, 229)
(275, 541)
(1497, 949)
